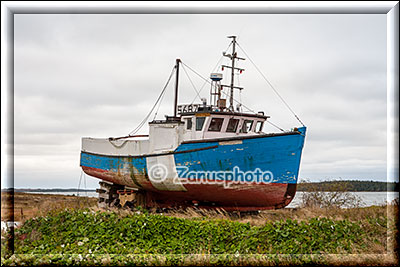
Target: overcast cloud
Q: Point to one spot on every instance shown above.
(99, 75)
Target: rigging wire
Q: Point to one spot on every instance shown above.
(216, 65)
(240, 99)
(207, 81)
(84, 181)
(202, 87)
(194, 87)
(155, 104)
(273, 88)
(86, 192)
(79, 184)
(159, 104)
(275, 125)
(240, 91)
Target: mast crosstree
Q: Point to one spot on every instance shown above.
(232, 56)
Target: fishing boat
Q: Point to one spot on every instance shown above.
(207, 155)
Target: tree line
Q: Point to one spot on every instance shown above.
(349, 186)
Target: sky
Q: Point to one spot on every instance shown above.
(94, 75)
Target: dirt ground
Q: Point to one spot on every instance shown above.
(28, 205)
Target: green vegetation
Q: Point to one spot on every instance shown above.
(349, 186)
(85, 232)
(112, 238)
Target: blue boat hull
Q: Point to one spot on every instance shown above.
(279, 155)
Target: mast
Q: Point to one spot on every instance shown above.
(232, 72)
(176, 86)
(233, 68)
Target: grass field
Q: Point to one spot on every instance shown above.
(73, 231)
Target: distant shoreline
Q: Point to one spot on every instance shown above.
(27, 190)
(348, 186)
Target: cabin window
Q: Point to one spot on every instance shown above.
(232, 125)
(259, 126)
(200, 123)
(246, 127)
(189, 124)
(216, 124)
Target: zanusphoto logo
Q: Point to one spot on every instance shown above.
(158, 174)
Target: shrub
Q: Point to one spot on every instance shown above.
(335, 195)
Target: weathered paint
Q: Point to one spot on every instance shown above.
(123, 170)
(279, 154)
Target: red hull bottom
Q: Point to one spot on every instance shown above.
(243, 197)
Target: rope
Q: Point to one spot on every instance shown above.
(273, 88)
(127, 136)
(116, 146)
(155, 104)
